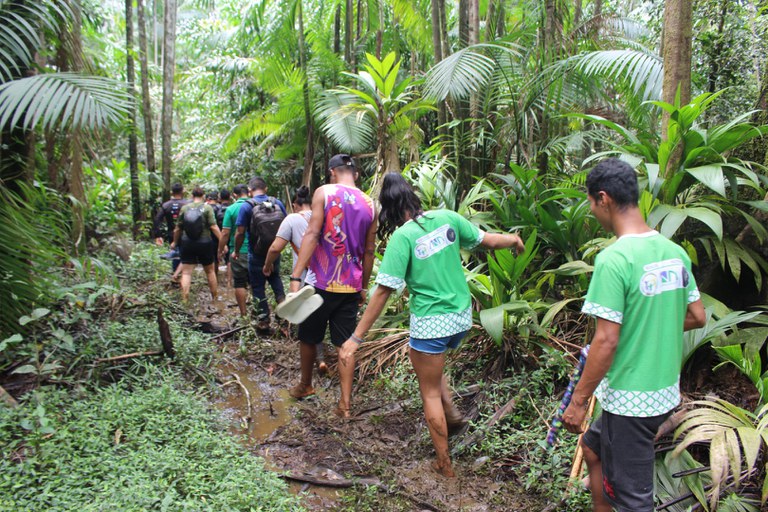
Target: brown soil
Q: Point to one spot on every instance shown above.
(386, 441)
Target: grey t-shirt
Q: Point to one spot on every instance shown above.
(292, 229)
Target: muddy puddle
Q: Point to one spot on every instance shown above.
(255, 408)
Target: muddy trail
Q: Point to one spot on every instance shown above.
(383, 450)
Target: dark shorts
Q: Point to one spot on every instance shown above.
(339, 312)
(437, 345)
(240, 271)
(197, 251)
(625, 447)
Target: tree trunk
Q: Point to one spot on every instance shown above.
(337, 30)
(577, 6)
(714, 58)
(348, 34)
(169, 64)
(677, 37)
(133, 152)
(149, 134)
(444, 29)
(309, 149)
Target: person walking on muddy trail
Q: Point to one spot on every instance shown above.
(261, 216)
(237, 266)
(643, 296)
(423, 254)
(339, 249)
(168, 214)
(195, 235)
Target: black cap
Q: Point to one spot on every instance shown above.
(341, 160)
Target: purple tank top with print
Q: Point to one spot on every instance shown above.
(338, 259)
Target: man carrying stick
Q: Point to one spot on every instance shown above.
(643, 296)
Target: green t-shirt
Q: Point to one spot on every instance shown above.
(230, 216)
(643, 282)
(424, 254)
(209, 219)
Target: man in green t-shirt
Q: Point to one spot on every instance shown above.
(238, 266)
(643, 296)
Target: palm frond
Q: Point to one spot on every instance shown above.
(63, 100)
(20, 24)
(643, 70)
(460, 74)
(350, 132)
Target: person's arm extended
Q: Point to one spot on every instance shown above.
(215, 231)
(372, 312)
(157, 222)
(502, 241)
(601, 353)
(695, 317)
(223, 240)
(368, 256)
(239, 239)
(274, 251)
(311, 237)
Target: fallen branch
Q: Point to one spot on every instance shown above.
(227, 333)
(165, 339)
(341, 483)
(480, 433)
(236, 380)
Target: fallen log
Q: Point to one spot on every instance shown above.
(480, 433)
(228, 333)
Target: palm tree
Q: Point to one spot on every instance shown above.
(381, 113)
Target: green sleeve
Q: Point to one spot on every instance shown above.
(692, 288)
(210, 217)
(393, 268)
(469, 235)
(607, 290)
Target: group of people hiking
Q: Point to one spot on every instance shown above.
(642, 294)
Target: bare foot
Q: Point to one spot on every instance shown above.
(444, 469)
(342, 412)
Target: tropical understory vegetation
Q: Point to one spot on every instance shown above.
(494, 109)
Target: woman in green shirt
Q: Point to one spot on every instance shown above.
(423, 254)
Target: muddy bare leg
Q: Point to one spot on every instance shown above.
(429, 370)
(186, 280)
(599, 504)
(213, 282)
(346, 376)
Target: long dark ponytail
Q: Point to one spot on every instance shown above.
(398, 201)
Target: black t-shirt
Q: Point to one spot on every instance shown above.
(169, 212)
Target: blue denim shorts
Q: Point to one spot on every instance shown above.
(437, 345)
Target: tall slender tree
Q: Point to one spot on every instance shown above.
(133, 151)
(147, 115)
(169, 68)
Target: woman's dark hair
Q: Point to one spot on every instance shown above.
(397, 199)
(301, 197)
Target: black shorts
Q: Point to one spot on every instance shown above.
(197, 251)
(625, 447)
(240, 271)
(339, 311)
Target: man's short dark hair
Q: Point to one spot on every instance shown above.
(198, 191)
(240, 189)
(224, 194)
(214, 196)
(177, 188)
(257, 183)
(617, 179)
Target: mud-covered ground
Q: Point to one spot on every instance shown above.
(385, 444)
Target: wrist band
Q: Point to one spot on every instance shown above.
(297, 279)
(355, 338)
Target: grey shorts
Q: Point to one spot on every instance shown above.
(240, 271)
(625, 447)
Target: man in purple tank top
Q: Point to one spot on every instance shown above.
(338, 247)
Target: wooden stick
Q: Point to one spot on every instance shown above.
(578, 458)
(245, 390)
(129, 356)
(224, 334)
(479, 434)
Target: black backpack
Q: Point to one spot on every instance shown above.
(219, 212)
(193, 222)
(266, 218)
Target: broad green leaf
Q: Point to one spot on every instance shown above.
(712, 219)
(27, 368)
(12, 340)
(572, 268)
(753, 338)
(710, 176)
